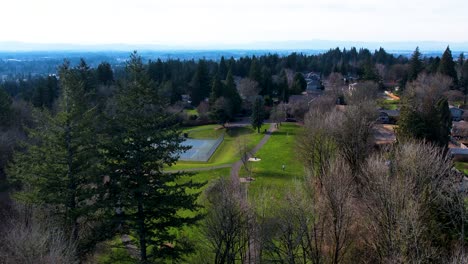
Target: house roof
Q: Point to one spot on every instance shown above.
(297, 98)
(460, 129)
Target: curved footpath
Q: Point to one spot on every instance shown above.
(238, 165)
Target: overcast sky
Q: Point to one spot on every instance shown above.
(193, 22)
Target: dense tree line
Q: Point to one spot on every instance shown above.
(175, 77)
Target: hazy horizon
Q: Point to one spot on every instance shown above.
(313, 45)
(207, 23)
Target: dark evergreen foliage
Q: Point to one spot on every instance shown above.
(5, 108)
(104, 73)
(299, 84)
(447, 66)
(61, 165)
(145, 139)
(415, 65)
(258, 114)
(200, 83)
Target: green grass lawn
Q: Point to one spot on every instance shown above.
(388, 104)
(227, 151)
(191, 112)
(462, 166)
(205, 132)
(268, 173)
(194, 233)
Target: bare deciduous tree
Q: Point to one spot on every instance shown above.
(354, 135)
(337, 199)
(278, 114)
(428, 89)
(335, 85)
(29, 239)
(316, 144)
(244, 155)
(248, 89)
(364, 92)
(293, 230)
(412, 204)
(226, 223)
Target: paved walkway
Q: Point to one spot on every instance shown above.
(238, 165)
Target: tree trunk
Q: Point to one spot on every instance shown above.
(141, 228)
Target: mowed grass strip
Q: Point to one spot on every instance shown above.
(227, 152)
(268, 172)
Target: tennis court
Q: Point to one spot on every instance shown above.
(202, 149)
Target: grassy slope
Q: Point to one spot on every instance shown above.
(280, 149)
(194, 233)
(227, 151)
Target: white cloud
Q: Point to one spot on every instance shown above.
(231, 21)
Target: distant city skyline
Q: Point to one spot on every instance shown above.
(233, 23)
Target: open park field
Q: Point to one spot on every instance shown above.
(227, 152)
(268, 174)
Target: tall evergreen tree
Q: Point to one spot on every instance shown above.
(145, 139)
(200, 83)
(447, 66)
(433, 65)
(60, 168)
(415, 65)
(45, 92)
(424, 120)
(461, 59)
(216, 89)
(283, 87)
(444, 122)
(87, 77)
(258, 114)
(104, 73)
(231, 93)
(156, 71)
(222, 110)
(223, 68)
(299, 84)
(266, 83)
(254, 71)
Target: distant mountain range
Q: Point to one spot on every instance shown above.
(316, 45)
